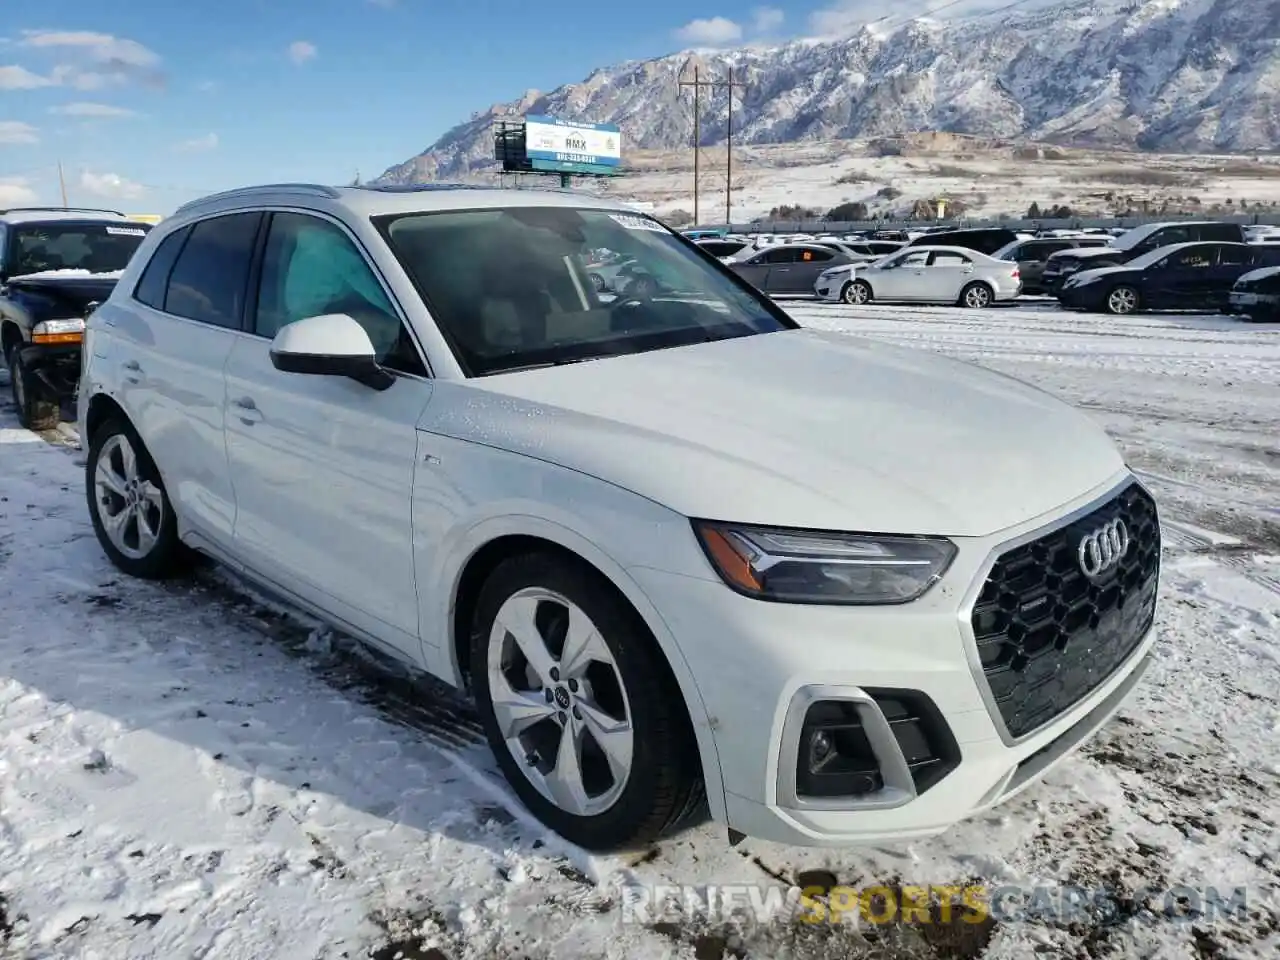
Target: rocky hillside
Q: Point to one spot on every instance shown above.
(1167, 75)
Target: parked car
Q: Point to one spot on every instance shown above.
(724, 249)
(923, 275)
(54, 262)
(789, 268)
(1185, 276)
(1032, 255)
(409, 413)
(983, 239)
(1256, 295)
(1135, 243)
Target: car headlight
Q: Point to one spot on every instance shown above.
(58, 331)
(805, 566)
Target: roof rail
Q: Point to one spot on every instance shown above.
(422, 187)
(60, 210)
(307, 189)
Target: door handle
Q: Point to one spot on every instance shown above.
(247, 410)
(133, 371)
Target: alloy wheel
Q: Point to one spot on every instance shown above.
(977, 297)
(1122, 300)
(560, 702)
(130, 506)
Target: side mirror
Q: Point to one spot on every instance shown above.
(330, 345)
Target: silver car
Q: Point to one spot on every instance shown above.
(789, 268)
(924, 274)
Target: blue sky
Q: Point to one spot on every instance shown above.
(149, 103)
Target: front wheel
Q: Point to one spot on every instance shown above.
(36, 411)
(856, 293)
(129, 508)
(976, 296)
(578, 707)
(1122, 300)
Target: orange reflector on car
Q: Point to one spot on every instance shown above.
(47, 338)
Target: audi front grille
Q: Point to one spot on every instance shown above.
(1058, 615)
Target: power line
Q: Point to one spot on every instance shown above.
(698, 84)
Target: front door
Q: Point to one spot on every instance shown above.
(323, 466)
(901, 278)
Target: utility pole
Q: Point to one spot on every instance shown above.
(62, 183)
(698, 84)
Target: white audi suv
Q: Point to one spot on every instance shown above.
(684, 554)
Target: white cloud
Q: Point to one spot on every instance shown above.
(387, 4)
(715, 32)
(92, 111)
(207, 86)
(199, 144)
(766, 20)
(16, 192)
(20, 78)
(300, 51)
(15, 131)
(110, 185)
(101, 59)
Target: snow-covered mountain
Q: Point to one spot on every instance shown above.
(1167, 75)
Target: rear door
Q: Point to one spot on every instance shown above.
(171, 344)
(1184, 279)
(803, 274)
(946, 275)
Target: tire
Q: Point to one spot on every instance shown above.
(622, 682)
(35, 410)
(976, 296)
(1122, 300)
(159, 556)
(856, 293)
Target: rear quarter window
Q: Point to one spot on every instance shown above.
(155, 275)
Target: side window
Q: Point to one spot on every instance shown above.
(779, 255)
(815, 254)
(208, 280)
(1193, 258)
(1045, 250)
(1165, 237)
(1231, 256)
(1223, 232)
(155, 275)
(311, 267)
(946, 259)
(912, 260)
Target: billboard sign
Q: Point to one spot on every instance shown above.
(559, 142)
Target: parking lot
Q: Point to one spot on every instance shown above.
(193, 771)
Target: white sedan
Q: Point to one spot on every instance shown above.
(924, 274)
(683, 553)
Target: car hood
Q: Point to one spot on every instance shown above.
(798, 428)
(60, 291)
(1085, 253)
(1081, 277)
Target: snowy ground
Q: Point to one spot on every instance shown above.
(990, 182)
(188, 771)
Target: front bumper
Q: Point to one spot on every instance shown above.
(56, 365)
(759, 665)
(1087, 296)
(1253, 304)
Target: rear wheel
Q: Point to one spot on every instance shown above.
(1122, 300)
(856, 293)
(976, 296)
(577, 705)
(36, 411)
(129, 508)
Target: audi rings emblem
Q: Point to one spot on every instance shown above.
(1101, 550)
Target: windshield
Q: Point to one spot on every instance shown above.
(536, 286)
(1004, 252)
(1149, 259)
(95, 247)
